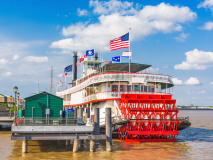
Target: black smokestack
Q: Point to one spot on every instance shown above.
(96, 56)
(75, 56)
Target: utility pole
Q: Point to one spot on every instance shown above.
(51, 84)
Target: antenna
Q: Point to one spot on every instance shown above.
(51, 85)
(38, 88)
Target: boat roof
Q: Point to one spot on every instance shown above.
(93, 62)
(124, 67)
(42, 93)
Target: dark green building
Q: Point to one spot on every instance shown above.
(42, 104)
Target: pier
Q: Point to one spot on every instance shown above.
(35, 129)
(6, 120)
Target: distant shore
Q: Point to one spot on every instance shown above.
(196, 109)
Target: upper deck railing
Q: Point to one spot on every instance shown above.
(110, 95)
(115, 76)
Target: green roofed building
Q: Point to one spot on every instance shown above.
(42, 104)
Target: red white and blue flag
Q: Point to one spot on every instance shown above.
(68, 69)
(64, 75)
(78, 64)
(108, 62)
(120, 42)
(127, 54)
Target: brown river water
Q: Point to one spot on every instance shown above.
(195, 142)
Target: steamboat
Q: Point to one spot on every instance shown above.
(143, 99)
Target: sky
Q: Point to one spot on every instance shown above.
(175, 37)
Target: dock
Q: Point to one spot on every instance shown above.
(35, 129)
(6, 120)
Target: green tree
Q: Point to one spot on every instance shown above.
(3, 104)
(12, 108)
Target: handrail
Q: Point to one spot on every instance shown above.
(46, 121)
(115, 77)
(110, 95)
(95, 74)
(114, 119)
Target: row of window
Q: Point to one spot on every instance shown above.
(133, 88)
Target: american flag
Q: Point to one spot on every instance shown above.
(108, 62)
(64, 75)
(78, 64)
(120, 42)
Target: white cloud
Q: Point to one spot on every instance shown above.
(165, 67)
(153, 70)
(182, 37)
(177, 81)
(73, 29)
(153, 19)
(192, 81)
(211, 83)
(202, 92)
(3, 61)
(36, 59)
(198, 60)
(12, 48)
(15, 57)
(61, 52)
(206, 4)
(6, 74)
(112, 6)
(208, 26)
(59, 75)
(82, 12)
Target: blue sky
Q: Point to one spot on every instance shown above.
(175, 37)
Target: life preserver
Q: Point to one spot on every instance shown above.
(17, 121)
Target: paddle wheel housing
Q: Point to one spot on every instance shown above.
(153, 118)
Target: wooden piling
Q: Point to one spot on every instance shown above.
(108, 129)
(76, 115)
(92, 145)
(67, 142)
(96, 121)
(75, 145)
(88, 112)
(24, 146)
(81, 112)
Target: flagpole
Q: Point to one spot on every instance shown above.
(129, 49)
(65, 82)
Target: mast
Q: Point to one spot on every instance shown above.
(129, 50)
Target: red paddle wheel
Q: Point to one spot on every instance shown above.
(153, 118)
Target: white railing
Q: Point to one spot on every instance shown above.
(110, 95)
(66, 102)
(107, 77)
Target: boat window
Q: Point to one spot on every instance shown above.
(96, 66)
(152, 88)
(149, 88)
(129, 87)
(90, 90)
(114, 87)
(136, 88)
(122, 87)
(142, 88)
(145, 88)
